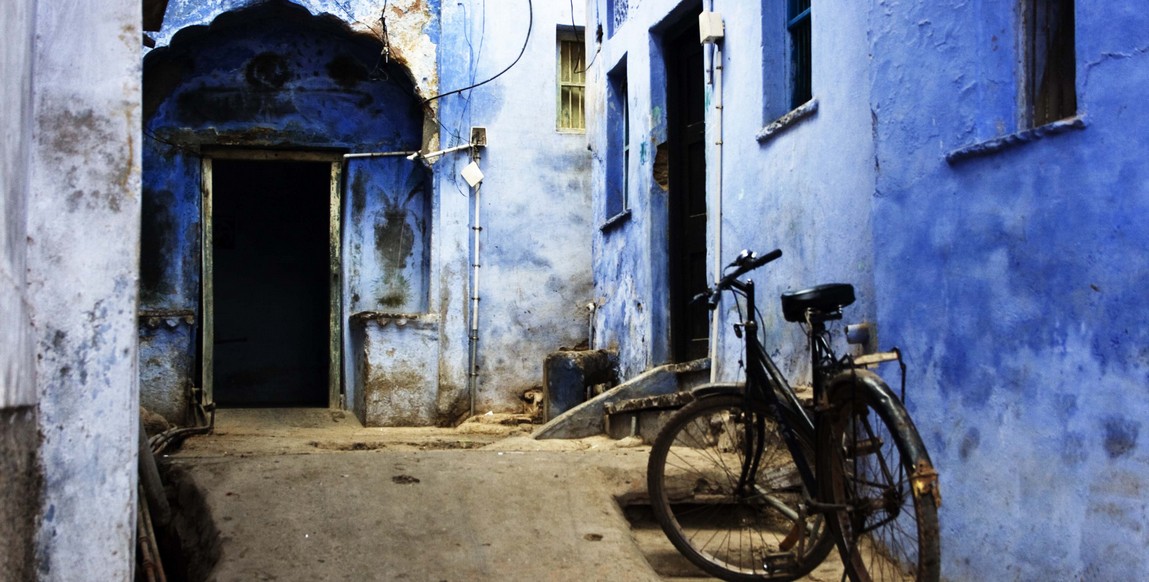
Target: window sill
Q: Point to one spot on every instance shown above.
(780, 125)
(1012, 140)
(615, 221)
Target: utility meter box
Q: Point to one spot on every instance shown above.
(710, 27)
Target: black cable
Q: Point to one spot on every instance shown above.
(379, 73)
(180, 147)
(473, 56)
(530, 25)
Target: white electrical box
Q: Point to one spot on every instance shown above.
(710, 27)
(472, 174)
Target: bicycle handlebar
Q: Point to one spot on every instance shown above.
(745, 262)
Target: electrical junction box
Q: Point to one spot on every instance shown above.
(710, 27)
(472, 174)
(479, 136)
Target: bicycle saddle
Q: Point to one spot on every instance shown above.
(822, 298)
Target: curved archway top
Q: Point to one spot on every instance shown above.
(412, 27)
(274, 75)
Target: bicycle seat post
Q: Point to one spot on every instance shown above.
(821, 353)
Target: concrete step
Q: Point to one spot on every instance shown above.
(589, 418)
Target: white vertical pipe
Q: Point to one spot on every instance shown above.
(473, 374)
(714, 317)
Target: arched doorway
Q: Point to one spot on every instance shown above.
(252, 256)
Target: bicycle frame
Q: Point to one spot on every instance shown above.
(765, 383)
(820, 435)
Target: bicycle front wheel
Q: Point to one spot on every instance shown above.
(871, 456)
(693, 475)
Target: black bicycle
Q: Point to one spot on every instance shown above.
(757, 481)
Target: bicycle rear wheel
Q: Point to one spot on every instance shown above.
(870, 456)
(692, 475)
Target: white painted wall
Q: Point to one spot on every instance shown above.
(82, 254)
(16, 387)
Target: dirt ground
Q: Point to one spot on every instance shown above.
(309, 494)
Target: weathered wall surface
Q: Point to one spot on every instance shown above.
(406, 240)
(21, 474)
(412, 27)
(805, 190)
(535, 213)
(1016, 282)
(396, 359)
(1012, 278)
(83, 224)
(21, 490)
(17, 387)
(306, 82)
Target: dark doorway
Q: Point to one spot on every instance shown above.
(270, 250)
(686, 125)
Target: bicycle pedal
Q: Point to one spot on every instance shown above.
(779, 563)
(864, 447)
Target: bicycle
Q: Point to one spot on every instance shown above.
(754, 482)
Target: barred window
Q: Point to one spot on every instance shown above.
(571, 81)
(798, 23)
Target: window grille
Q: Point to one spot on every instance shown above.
(1051, 62)
(571, 82)
(798, 24)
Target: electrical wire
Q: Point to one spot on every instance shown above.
(473, 56)
(183, 148)
(379, 72)
(598, 41)
(530, 26)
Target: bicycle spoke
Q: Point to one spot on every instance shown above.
(883, 531)
(696, 469)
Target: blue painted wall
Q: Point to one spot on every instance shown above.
(535, 279)
(1014, 280)
(274, 76)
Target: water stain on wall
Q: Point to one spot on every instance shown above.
(394, 242)
(1120, 435)
(156, 244)
(969, 443)
(359, 193)
(346, 71)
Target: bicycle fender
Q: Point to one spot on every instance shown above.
(717, 389)
(887, 404)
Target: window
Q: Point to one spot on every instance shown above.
(798, 25)
(571, 81)
(787, 92)
(1050, 91)
(618, 143)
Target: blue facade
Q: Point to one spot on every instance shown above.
(1007, 263)
(1017, 280)
(313, 81)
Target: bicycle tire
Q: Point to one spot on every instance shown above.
(693, 469)
(870, 452)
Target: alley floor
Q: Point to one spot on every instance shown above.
(309, 494)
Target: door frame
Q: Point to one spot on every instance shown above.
(675, 39)
(335, 247)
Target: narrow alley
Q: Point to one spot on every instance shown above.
(310, 494)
